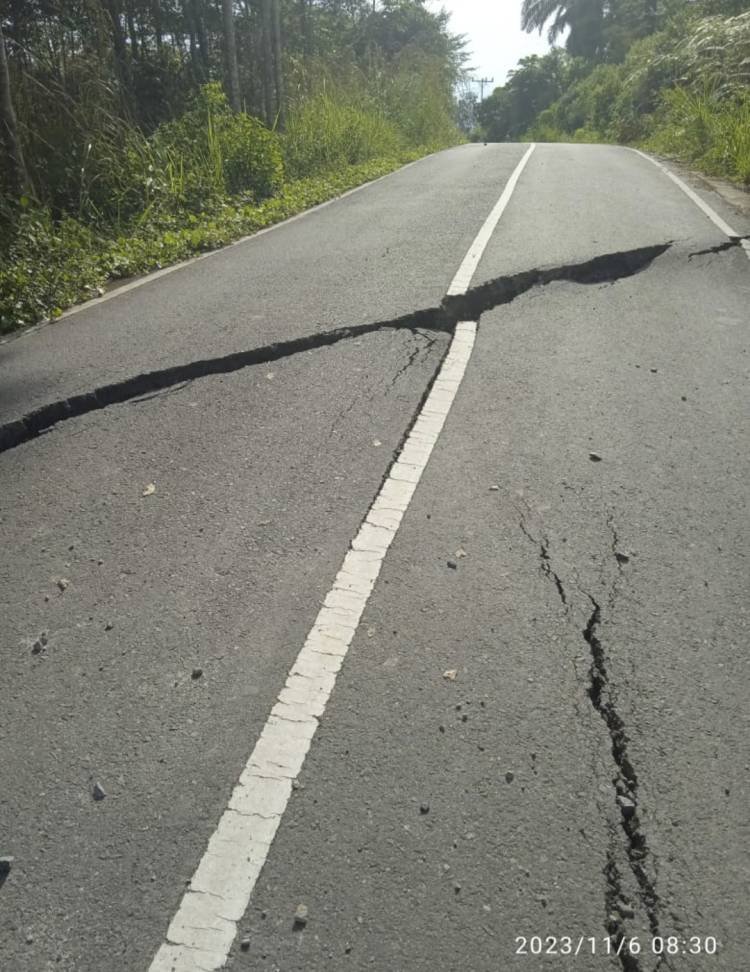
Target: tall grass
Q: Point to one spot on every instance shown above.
(329, 131)
(703, 128)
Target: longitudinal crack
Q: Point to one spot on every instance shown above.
(466, 307)
(545, 563)
(625, 781)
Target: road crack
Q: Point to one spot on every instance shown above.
(732, 243)
(603, 700)
(441, 319)
(545, 562)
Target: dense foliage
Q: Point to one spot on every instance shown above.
(136, 132)
(674, 76)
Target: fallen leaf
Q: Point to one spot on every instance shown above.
(149, 490)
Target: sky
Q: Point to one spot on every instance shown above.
(494, 35)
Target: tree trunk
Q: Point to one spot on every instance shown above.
(268, 82)
(132, 33)
(122, 64)
(19, 177)
(278, 65)
(230, 55)
(156, 14)
(304, 28)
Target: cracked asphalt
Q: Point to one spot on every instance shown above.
(576, 553)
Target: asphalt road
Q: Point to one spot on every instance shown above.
(541, 727)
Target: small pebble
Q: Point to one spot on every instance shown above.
(98, 792)
(245, 944)
(300, 916)
(424, 808)
(622, 558)
(453, 565)
(108, 626)
(595, 457)
(509, 777)
(6, 863)
(627, 806)
(196, 673)
(625, 910)
(63, 583)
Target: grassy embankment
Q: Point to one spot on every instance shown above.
(210, 177)
(683, 93)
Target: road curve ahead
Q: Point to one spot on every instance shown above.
(375, 590)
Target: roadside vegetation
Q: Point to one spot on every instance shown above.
(135, 133)
(672, 76)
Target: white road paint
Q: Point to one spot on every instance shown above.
(707, 210)
(201, 933)
(463, 278)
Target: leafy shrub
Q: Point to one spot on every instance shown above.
(216, 152)
(48, 266)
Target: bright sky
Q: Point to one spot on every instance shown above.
(494, 35)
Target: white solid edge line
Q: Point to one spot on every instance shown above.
(466, 271)
(172, 268)
(204, 927)
(725, 228)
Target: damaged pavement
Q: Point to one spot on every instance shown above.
(538, 730)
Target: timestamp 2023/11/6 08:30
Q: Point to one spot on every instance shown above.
(618, 945)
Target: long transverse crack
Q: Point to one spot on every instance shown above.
(465, 307)
(732, 243)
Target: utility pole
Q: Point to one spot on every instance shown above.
(481, 82)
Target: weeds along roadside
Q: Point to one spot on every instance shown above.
(132, 202)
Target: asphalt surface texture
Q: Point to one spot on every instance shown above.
(541, 728)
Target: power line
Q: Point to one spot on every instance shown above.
(481, 82)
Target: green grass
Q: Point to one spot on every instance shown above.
(140, 202)
(52, 265)
(712, 134)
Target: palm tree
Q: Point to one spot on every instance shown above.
(584, 19)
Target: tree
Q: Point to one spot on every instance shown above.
(19, 179)
(278, 65)
(584, 18)
(230, 55)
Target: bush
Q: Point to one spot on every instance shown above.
(211, 152)
(48, 266)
